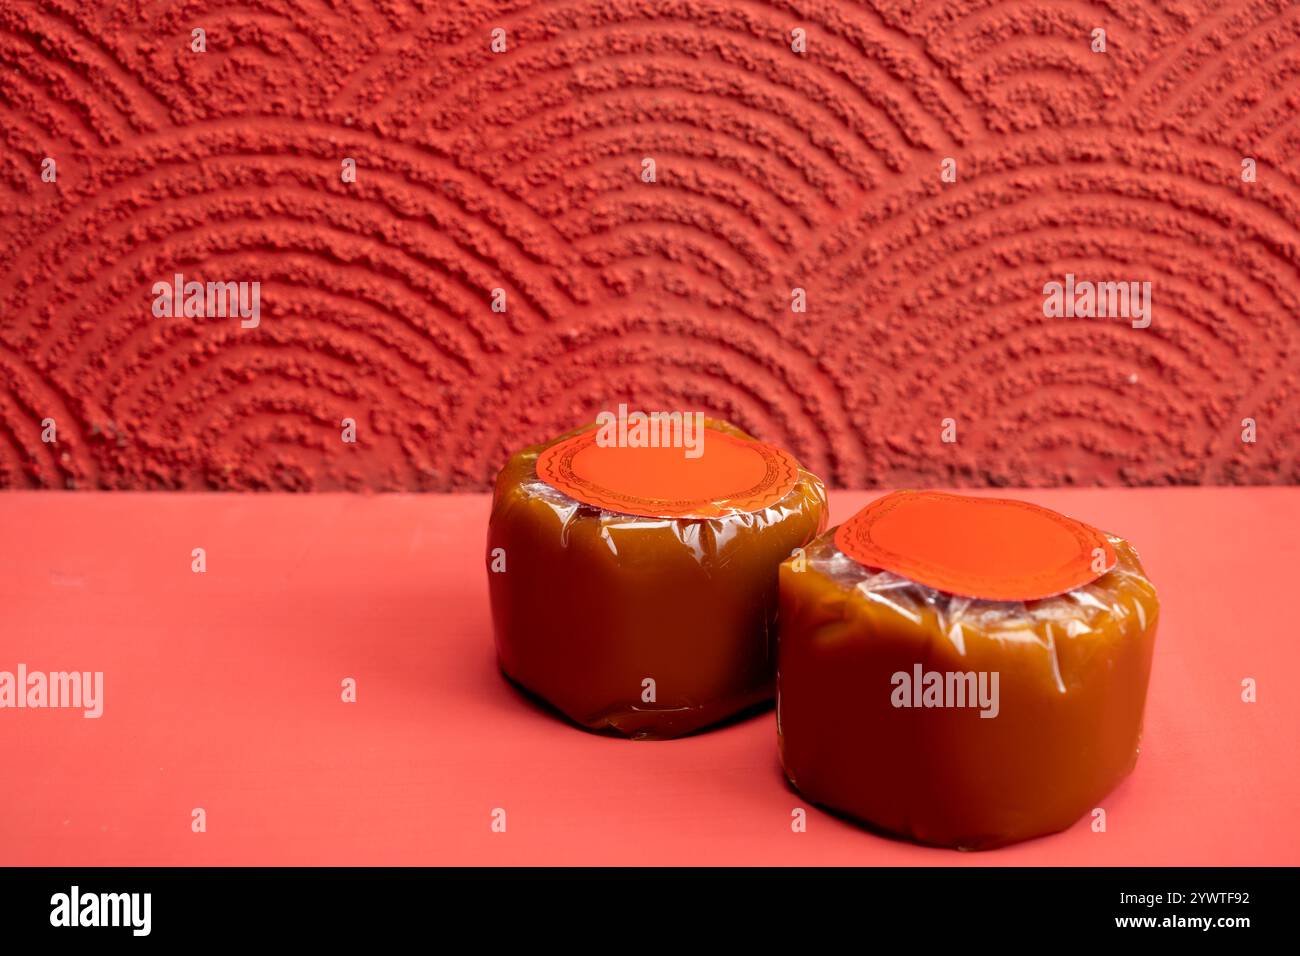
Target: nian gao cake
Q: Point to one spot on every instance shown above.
(635, 588)
(962, 671)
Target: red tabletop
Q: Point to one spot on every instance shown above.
(222, 691)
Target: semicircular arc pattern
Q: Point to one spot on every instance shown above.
(457, 229)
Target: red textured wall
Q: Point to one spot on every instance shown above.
(522, 170)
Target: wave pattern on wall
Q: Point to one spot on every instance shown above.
(523, 171)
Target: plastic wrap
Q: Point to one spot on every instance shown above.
(1038, 747)
(647, 627)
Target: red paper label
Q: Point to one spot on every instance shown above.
(731, 476)
(994, 549)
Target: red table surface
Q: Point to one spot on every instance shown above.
(222, 691)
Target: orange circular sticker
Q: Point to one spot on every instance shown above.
(724, 475)
(994, 549)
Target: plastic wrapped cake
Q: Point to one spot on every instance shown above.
(960, 671)
(634, 585)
